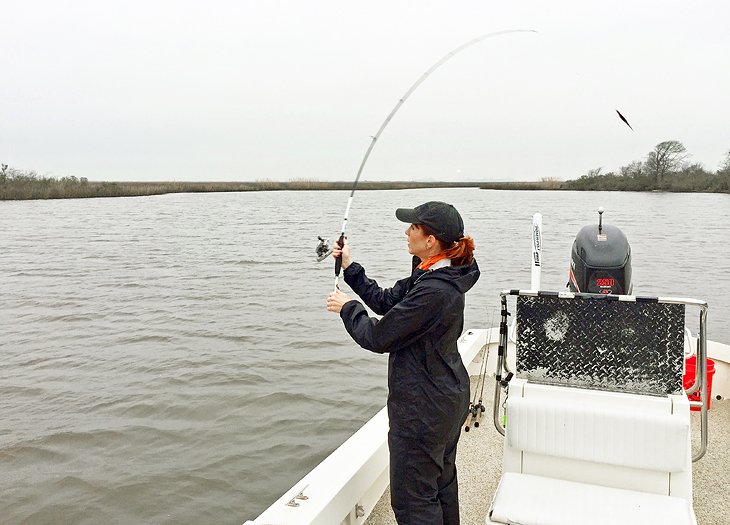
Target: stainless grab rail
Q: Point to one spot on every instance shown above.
(702, 369)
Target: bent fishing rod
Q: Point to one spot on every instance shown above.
(323, 249)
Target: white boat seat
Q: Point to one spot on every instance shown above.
(597, 423)
(616, 435)
(578, 456)
(523, 499)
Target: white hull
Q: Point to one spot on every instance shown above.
(346, 486)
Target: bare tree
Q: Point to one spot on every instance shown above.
(668, 156)
(725, 166)
(633, 170)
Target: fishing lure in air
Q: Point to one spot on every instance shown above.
(323, 249)
(624, 119)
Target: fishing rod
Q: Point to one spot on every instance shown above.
(480, 406)
(323, 249)
(476, 409)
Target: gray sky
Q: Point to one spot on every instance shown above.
(245, 90)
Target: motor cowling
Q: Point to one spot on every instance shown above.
(600, 261)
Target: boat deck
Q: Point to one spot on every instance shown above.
(479, 464)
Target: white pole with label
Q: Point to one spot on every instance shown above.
(535, 264)
(536, 251)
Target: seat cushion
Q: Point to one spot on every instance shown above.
(618, 435)
(522, 499)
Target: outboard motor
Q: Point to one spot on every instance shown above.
(600, 261)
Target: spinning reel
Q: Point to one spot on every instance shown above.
(323, 249)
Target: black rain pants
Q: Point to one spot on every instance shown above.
(423, 485)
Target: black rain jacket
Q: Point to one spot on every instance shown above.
(423, 316)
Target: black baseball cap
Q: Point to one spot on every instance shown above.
(441, 218)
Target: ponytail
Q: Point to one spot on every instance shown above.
(460, 252)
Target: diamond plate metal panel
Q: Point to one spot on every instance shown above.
(604, 345)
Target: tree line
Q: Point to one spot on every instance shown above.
(666, 168)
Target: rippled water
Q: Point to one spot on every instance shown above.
(169, 359)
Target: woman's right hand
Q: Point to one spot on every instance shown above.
(344, 251)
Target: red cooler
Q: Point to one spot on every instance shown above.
(690, 367)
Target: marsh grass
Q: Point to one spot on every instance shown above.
(27, 185)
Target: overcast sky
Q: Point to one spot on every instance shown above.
(289, 89)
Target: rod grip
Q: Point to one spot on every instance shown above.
(467, 426)
(338, 260)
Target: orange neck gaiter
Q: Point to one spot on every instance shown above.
(425, 265)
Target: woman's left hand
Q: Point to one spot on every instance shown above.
(336, 300)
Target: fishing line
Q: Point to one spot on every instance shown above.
(323, 249)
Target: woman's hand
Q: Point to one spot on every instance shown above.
(336, 300)
(345, 252)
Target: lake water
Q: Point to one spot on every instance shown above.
(170, 359)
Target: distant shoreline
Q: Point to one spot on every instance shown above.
(79, 188)
(72, 188)
(666, 169)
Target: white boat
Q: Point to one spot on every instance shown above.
(589, 423)
(548, 474)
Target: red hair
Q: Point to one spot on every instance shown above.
(460, 252)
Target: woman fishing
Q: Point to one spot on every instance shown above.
(428, 386)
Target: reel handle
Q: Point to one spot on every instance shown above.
(478, 417)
